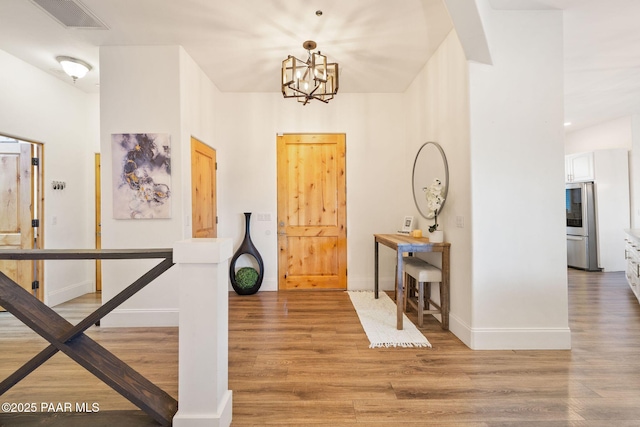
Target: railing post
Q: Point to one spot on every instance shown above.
(203, 373)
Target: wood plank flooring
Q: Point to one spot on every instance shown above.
(301, 358)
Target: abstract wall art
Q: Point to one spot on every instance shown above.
(141, 175)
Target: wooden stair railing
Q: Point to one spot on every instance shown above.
(71, 340)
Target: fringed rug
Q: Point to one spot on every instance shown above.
(378, 318)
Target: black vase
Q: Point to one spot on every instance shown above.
(246, 247)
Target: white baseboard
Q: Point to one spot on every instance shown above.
(511, 338)
(460, 329)
(131, 318)
(68, 293)
(268, 285)
(521, 339)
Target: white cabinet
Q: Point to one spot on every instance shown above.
(632, 255)
(613, 212)
(579, 167)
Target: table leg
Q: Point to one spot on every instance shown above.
(375, 274)
(399, 291)
(444, 298)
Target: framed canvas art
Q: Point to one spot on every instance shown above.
(141, 175)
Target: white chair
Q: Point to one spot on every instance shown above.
(423, 274)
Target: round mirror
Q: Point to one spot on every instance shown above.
(429, 167)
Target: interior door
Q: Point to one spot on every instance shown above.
(16, 231)
(203, 190)
(312, 233)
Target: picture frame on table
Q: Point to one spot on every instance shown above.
(407, 225)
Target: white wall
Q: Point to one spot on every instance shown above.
(37, 107)
(135, 100)
(519, 295)
(200, 112)
(512, 289)
(378, 187)
(437, 105)
(178, 99)
(611, 134)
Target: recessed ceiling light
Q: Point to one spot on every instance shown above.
(567, 123)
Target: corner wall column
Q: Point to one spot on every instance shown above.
(203, 395)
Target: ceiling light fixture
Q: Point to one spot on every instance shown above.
(310, 79)
(75, 68)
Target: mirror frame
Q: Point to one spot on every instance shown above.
(445, 183)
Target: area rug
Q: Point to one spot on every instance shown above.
(378, 318)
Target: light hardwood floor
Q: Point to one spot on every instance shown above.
(300, 359)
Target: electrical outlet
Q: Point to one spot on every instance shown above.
(460, 221)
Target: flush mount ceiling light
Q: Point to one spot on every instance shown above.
(75, 68)
(310, 79)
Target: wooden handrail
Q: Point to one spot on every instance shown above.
(39, 254)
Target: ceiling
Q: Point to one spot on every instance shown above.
(601, 57)
(380, 45)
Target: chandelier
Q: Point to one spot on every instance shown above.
(310, 79)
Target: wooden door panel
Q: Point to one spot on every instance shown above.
(15, 209)
(10, 239)
(311, 212)
(313, 256)
(203, 190)
(9, 192)
(313, 185)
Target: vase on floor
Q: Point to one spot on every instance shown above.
(246, 280)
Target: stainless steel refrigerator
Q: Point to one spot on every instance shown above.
(582, 244)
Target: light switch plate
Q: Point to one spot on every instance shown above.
(263, 216)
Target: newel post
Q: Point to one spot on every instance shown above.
(203, 374)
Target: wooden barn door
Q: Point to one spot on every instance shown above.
(312, 232)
